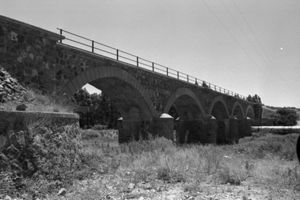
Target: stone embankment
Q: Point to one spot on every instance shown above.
(33, 143)
(10, 89)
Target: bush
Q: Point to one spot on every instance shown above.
(285, 117)
(282, 146)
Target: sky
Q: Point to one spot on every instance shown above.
(247, 46)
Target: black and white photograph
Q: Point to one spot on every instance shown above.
(149, 100)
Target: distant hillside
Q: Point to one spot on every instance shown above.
(267, 111)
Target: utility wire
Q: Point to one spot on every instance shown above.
(245, 33)
(230, 32)
(261, 47)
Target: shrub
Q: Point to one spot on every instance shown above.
(168, 175)
(233, 171)
(282, 146)
(285, 117)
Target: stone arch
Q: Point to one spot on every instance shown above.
(237, 107)
(219, 110)
(219, 100)
(96, 73)
(250, 112)
(183, 92)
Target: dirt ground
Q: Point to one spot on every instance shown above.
(113, 187)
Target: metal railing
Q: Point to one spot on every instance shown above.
(98, 48)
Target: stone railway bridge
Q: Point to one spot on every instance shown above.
(41, 59)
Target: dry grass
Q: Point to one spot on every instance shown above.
(268, 159)
(260, 162)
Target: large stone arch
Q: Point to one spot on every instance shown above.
(250, 112)
(237, 107)
(219, 111)
(183, 92)
(103, 72)
(220, 100)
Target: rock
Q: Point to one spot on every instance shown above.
(2, 142)
(147, 186)
(12, 152)
(131, 186)
(3, 157)
(62, 192)
(20, 138)
(21, 107)
(7, 197)
(10, 89)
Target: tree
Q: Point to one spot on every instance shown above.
(255, 99)
(95, 109)
(285, 117)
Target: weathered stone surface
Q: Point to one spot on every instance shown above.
(9, 87)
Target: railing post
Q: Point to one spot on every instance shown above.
(117, 54)
(177, 74)
(137, 61)
(167, 69)
(92, 46)
(187, 78)
(153, 66)
(60, 32)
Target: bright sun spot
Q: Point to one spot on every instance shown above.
(281, 48)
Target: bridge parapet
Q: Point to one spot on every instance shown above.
(98, 48)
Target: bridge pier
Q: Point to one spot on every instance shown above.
(211, 130)
(197, 131)
(137, 129)
(234, 124)
(245, 127)
(163, 127)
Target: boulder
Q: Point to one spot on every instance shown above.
(21, 107)
(62, 192)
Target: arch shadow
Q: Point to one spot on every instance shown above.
(216, 100)
(183, 92)
(96, 73)
(239, 107)
(250, 112)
